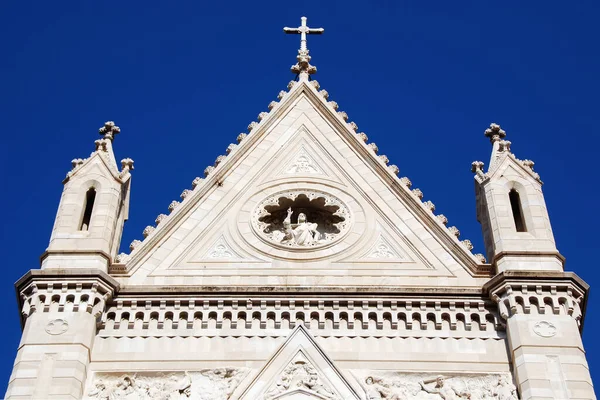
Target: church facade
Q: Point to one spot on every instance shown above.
(301, 266)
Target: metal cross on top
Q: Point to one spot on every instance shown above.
(303, 57)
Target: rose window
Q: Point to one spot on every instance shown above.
(302, 218)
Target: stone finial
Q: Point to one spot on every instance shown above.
(476, 166)
(262, 115)
(363, 136)
(135, 244)
(528, 163)
(494, 133)
(303, 66)
(241, 137)
(442, 218)
(174, 204)
(101, 145)
(220, 159)
(324, 93)
(333, 105)
(208, 170)
(480, 257)
(429, 205)
(77, 162)
(394, 169)
(373, 147)
(454, 231)
(127, 164)
(231, 148)
(148, 231)
(272, 105)
(406, 182)
(197, 180)
(353, 126)
(281, 94)
(185, 193)
(109, 130)
(417, 192)
(252, 125)
(504, 145)
(467, 244)
(160, 218)
(343, 114)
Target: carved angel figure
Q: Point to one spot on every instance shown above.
(377, 389)
(303, 233)
(444, 389)
(505, 390)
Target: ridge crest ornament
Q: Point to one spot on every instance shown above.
(302, 219)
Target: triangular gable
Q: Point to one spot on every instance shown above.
(299, 369)
(235, 184)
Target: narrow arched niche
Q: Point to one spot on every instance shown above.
(517, 210)
(90, 198)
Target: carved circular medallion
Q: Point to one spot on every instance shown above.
(57, 327)
(545, 329)
(302, 219)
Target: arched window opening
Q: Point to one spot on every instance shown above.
(517, 210)
(90, 197)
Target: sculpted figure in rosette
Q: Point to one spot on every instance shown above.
(303, 233)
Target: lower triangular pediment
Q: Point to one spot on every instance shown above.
(298, 370)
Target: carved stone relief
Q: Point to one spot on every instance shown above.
(303, 164)
(209, 384)
(301, 218)
(221, 250)
(300, 374)
(383, 250)
(400, 386)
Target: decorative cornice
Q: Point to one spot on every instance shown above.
(558, 293)
(64, 290)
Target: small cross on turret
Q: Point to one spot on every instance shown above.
(109, 130)
(303, 66)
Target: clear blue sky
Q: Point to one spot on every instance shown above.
(182, 79)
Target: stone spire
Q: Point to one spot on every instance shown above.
(303, 67)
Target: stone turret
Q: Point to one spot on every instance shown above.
(541, 305)
(512, 211)
(92, 210)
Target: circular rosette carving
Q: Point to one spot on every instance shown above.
(301, 219)
(57, 327)
(545, 329)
